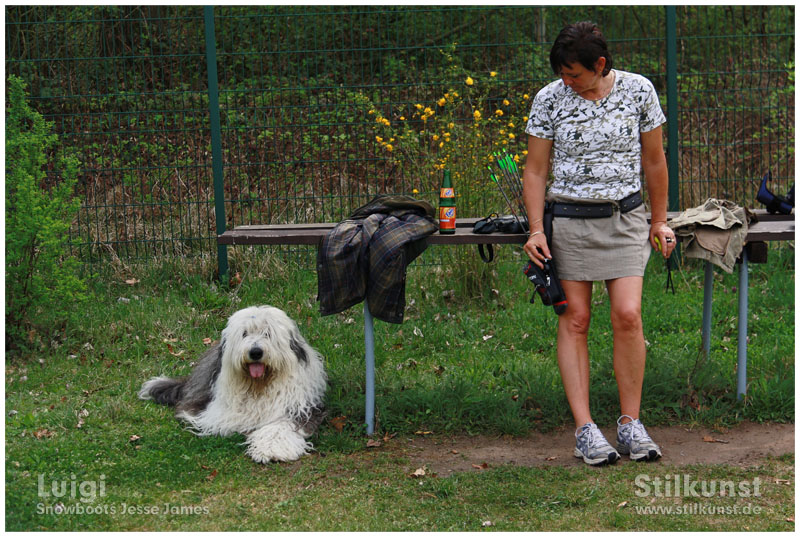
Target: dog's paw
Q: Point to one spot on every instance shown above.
(276, 442)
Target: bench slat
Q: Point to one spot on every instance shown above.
(312, 234)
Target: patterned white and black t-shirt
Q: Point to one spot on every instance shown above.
(596, 145)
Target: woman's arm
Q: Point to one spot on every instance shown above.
(654, 164)
(534, 182)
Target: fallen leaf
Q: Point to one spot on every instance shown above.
(134, 438)
(132, 281)
(454, 451)
(790, 519)
(554, 457)
(212, 475)
(422, 433)
(339, 423)
(374, 443)
(418, 332)
(81, 415)
(487, 337)
(44, 433)
(710, 439)
(482, 466)
(236, 279)
(207, 341)
(419, 472)
(780, 481)
(487, 523)
(388, 436)
(622, 504)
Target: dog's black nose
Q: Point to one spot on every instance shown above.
(256, 354)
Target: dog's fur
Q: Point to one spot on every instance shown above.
(262, 380)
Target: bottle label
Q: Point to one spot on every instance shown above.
(447, 193)
(447, 217)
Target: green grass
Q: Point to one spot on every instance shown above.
(72, 414)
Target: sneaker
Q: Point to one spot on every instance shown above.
(633, 440)
(593, 446)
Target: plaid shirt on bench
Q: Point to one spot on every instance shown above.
(366, 256)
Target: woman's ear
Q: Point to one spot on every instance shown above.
(600, 65)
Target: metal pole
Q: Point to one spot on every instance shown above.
(708, 292)
(216, 138)
(369, 359)
(741, 370)
(672, 108)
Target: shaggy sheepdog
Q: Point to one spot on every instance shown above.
(262, 380)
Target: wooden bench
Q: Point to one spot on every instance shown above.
(767, 228)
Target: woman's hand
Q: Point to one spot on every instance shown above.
(665, 236)
(537, 249)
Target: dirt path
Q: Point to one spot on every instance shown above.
(741, 446)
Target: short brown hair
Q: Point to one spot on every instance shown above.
(582, 42)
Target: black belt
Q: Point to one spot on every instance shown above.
(595, 210)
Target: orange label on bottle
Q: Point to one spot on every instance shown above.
(447, 193)
(447, 217)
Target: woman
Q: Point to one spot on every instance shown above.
(602, 126)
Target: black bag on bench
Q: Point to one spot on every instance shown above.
(497, 224)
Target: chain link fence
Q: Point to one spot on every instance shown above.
(320, 107)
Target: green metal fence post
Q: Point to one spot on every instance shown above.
(672, 108)
(216, 137)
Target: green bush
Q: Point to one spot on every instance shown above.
(42, 281)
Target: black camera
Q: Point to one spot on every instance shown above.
(547, 285)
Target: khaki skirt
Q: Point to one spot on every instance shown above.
(594, 249)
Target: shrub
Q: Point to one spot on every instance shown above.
(42, 281)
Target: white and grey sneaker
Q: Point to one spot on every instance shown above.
(633, 440)
(592, 446)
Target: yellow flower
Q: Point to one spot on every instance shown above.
(371, 112)
(441, 144)
(402, 118)
(469, 81)
(378, 139)
(477, 115)
(389, 148)
(435, 137)
(510, 125)
(441, 102)
(451, 125)
(418, 106)
(493, 74)
(526, 97)
(511, 135)
(498, 112)
(415, 191)
(505, 102)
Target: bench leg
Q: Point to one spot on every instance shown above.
(708, 292)
(741, 372)
(369, 359)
